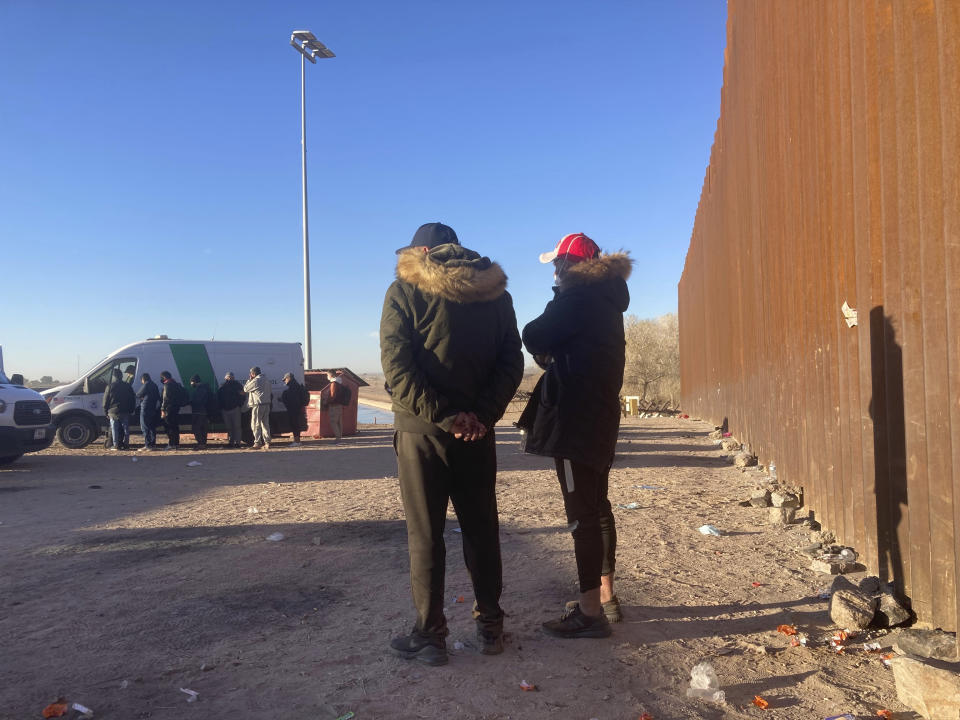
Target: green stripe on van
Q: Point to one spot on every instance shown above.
(192, 359)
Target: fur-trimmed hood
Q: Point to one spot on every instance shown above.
(605, 267)
(453, 272)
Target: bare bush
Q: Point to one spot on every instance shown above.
(653, 358)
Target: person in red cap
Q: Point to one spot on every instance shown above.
(574, 414)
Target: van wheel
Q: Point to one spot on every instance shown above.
(9, 459)
(76, 432)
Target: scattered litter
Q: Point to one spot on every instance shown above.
(276, 537)
(629, 506)
(252, 511)
(191, 694)
(728, 434)
(649, 487)
(459, 599)
(760, 702)
(787, 629)
(887, 658)
(709, 530)
(824, 594)
(704, 684)
(527, 687)
(837, 642)
(125, 684)
(756, 584)
(458, 645)
(194, 463)
(135, 459)
(347, 716)
(885, 714)
(845, 716)
(57, 709)
(684, 417)
(645, 716)
(871, 647)
(458, 530)
(799, 641)
(85, 711)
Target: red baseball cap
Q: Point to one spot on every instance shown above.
(577, 245)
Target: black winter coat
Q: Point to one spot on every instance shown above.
(201, 400)
(295, 397)
(448, 340)
(119, 398)
(230, 395)
(574, 411)
(149, 397)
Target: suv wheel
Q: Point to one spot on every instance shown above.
(76, 432)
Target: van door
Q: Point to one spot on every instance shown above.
(91, 390)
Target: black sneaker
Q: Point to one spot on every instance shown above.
(417, 647)
(574, 624)
(490, 643)
(611, 609)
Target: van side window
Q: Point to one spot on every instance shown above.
(99, 380)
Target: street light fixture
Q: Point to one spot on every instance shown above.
(305, 43)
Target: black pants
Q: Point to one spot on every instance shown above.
(200, 424)
(435, 469)
(589, 512)
(298, 422)
(172, 424)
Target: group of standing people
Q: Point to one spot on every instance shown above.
(161, 406)
(452, 357)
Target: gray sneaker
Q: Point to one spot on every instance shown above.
(611, 609)
(574, 624)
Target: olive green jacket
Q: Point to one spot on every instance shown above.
(448, 339)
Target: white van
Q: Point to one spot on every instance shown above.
(24, 419)
(77, 407)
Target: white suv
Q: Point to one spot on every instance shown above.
(24, 421)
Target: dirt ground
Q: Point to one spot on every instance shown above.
(127, 576)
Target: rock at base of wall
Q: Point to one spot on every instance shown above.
(782, 515)
(744, 460)
(729, 445)
(784, 499)
(760, 498)
(934, 644)
(891, 612)
(851, 609)
(932, 691)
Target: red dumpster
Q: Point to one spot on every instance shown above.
(318, 425)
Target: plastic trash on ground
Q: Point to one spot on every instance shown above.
(84, 711)
(191, 694)
(194, 463)
(709, 530)
(760, 702)
(54, 710)
(704, 684)
(276, 537)
(527, 687)
(845, 716)
(347, 716)
(629, 506)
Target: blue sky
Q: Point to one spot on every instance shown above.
(150, 159)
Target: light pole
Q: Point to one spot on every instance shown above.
(310, 49)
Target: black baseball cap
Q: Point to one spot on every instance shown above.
(431, 235)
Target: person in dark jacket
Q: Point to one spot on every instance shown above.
(452, 358)
(170, 403)
(230, 397)
(574, 414)
(201, 399)
(119, 401)
(296, 398)
(149, 397)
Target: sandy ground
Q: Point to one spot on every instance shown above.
(122, 582)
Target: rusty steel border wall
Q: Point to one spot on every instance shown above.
(835, 177)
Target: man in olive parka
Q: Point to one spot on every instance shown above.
(452, 358)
